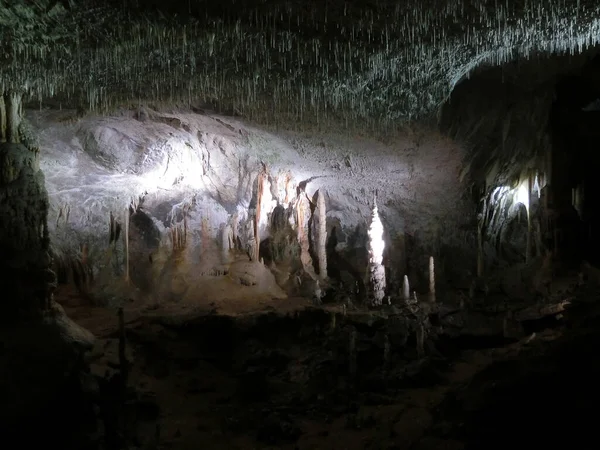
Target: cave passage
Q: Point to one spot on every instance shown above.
(299, 224)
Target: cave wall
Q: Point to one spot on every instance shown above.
(515, 161)
(200, 174)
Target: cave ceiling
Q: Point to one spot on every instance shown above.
(368, 63)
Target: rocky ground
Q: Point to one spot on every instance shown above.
(291, 375)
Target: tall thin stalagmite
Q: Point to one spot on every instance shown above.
(259, 194)
(2, 119)
(529, 244)
(126, 238)
(13, 116)
(376, 248)
(322, 235)
(405, 288)
(431, 278)
(302, 209)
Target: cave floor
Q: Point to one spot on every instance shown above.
(272, 377)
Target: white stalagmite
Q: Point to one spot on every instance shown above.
(226, 241)
(322, 237)
(431, 278)
(376, 247)
(406, 288)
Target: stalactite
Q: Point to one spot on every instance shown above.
(178, 237)
(399, 64)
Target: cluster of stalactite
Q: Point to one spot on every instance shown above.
(500, 204)
(179, 236)
(285, 63)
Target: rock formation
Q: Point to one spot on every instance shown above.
(376, 248)
(41, 347)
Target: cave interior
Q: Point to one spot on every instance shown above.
(342, 224)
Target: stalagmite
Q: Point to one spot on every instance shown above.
(405, 289)
(126, 237)
(204, 234)
(234, 230)
(302, 208)
(431, 279)
(13, 116)
(322, 235)
(226, 241)
(318, 295)
(259, 196)
(376, 247)
(2, 119)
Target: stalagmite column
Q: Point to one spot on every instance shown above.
(226, 240)
(431, 279)
(234, 230)
(302, 211)
(376, 247)
(405, 289)
(322, 235)
(13, 116)
(257, 217)
(264, 201)
(126, 237)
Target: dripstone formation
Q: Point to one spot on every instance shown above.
(41, 347)
(25, 274)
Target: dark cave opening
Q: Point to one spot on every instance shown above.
(575, 123)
